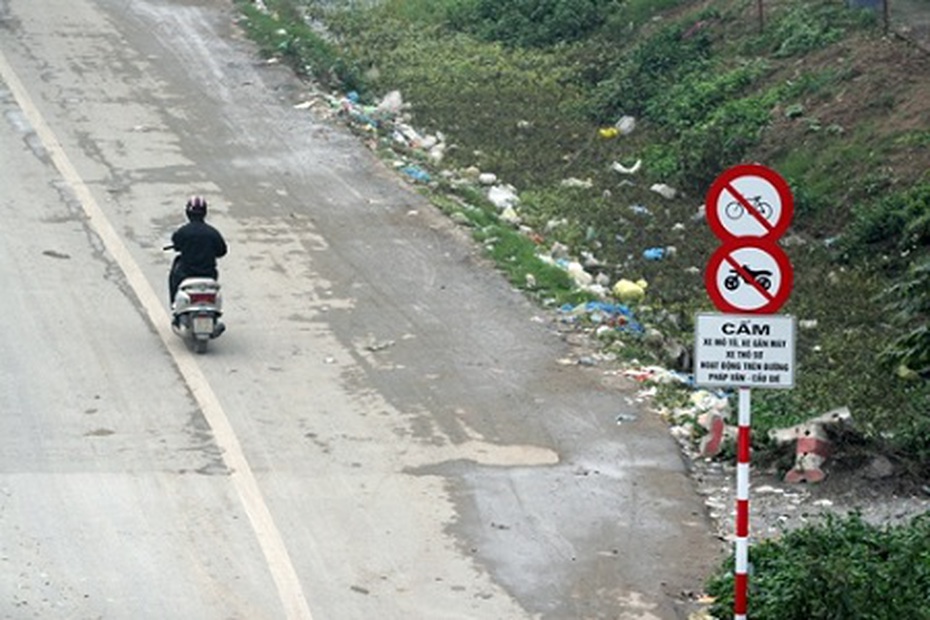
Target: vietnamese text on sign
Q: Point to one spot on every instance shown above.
(744, 350)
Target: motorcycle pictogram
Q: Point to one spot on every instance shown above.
(763, 277)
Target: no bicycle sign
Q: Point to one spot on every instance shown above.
(749, 207)
(749, 201)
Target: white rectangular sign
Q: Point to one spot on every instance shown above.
(744, 350)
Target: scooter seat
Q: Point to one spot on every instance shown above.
(199, 284)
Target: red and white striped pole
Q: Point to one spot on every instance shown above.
(741, 596)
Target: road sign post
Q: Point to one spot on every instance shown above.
(749, 277)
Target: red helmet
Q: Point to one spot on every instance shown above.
(196, 207)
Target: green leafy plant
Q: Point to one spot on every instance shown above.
(900, 220)
(700, 94)
(629, 15)
(908, 304)
(529, 23)
(842, 569)
(723, 139)
(649, 71)
(806, 26)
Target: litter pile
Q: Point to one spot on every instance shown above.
(419, 157)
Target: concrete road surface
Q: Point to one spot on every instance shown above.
(383, 432)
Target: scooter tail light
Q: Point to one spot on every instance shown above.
(203, 298)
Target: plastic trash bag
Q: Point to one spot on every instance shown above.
(628, 291)
(654, 253)
(625, 125)
(503, 196)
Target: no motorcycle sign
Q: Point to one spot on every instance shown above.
(749, 276)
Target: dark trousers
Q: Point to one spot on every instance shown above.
(177, 274)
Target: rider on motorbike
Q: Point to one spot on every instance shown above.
(199, 245)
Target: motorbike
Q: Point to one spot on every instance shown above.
(760, 276)
(196, 311)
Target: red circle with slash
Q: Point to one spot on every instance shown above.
(749, 200)
(749, 276)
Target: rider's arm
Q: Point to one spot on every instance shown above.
(220, 245)
(176, 240)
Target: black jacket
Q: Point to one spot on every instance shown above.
(200, 245)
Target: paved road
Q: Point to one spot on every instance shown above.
(383, 432)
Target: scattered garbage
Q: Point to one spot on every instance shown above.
(581, 277)
(664, 190)
(903, 371)
(585, 276)
(437, 152)
(510, 215)
(417, 174)
(590, 260)
(503, 196)
(579, 183)
(418, 151)
(615, 316)
(376, 346)
(654, 254)
(659, 253)
(391, 104)
(386, 119)
(624, 418)
(626, 125)
(558, 250)
(654, 374)
(618, 167)
(628, 291)
(407, 136)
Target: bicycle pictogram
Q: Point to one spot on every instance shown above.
(735, 209)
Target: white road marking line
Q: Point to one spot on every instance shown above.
(269, 537)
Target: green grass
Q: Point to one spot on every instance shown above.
(842, 569)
